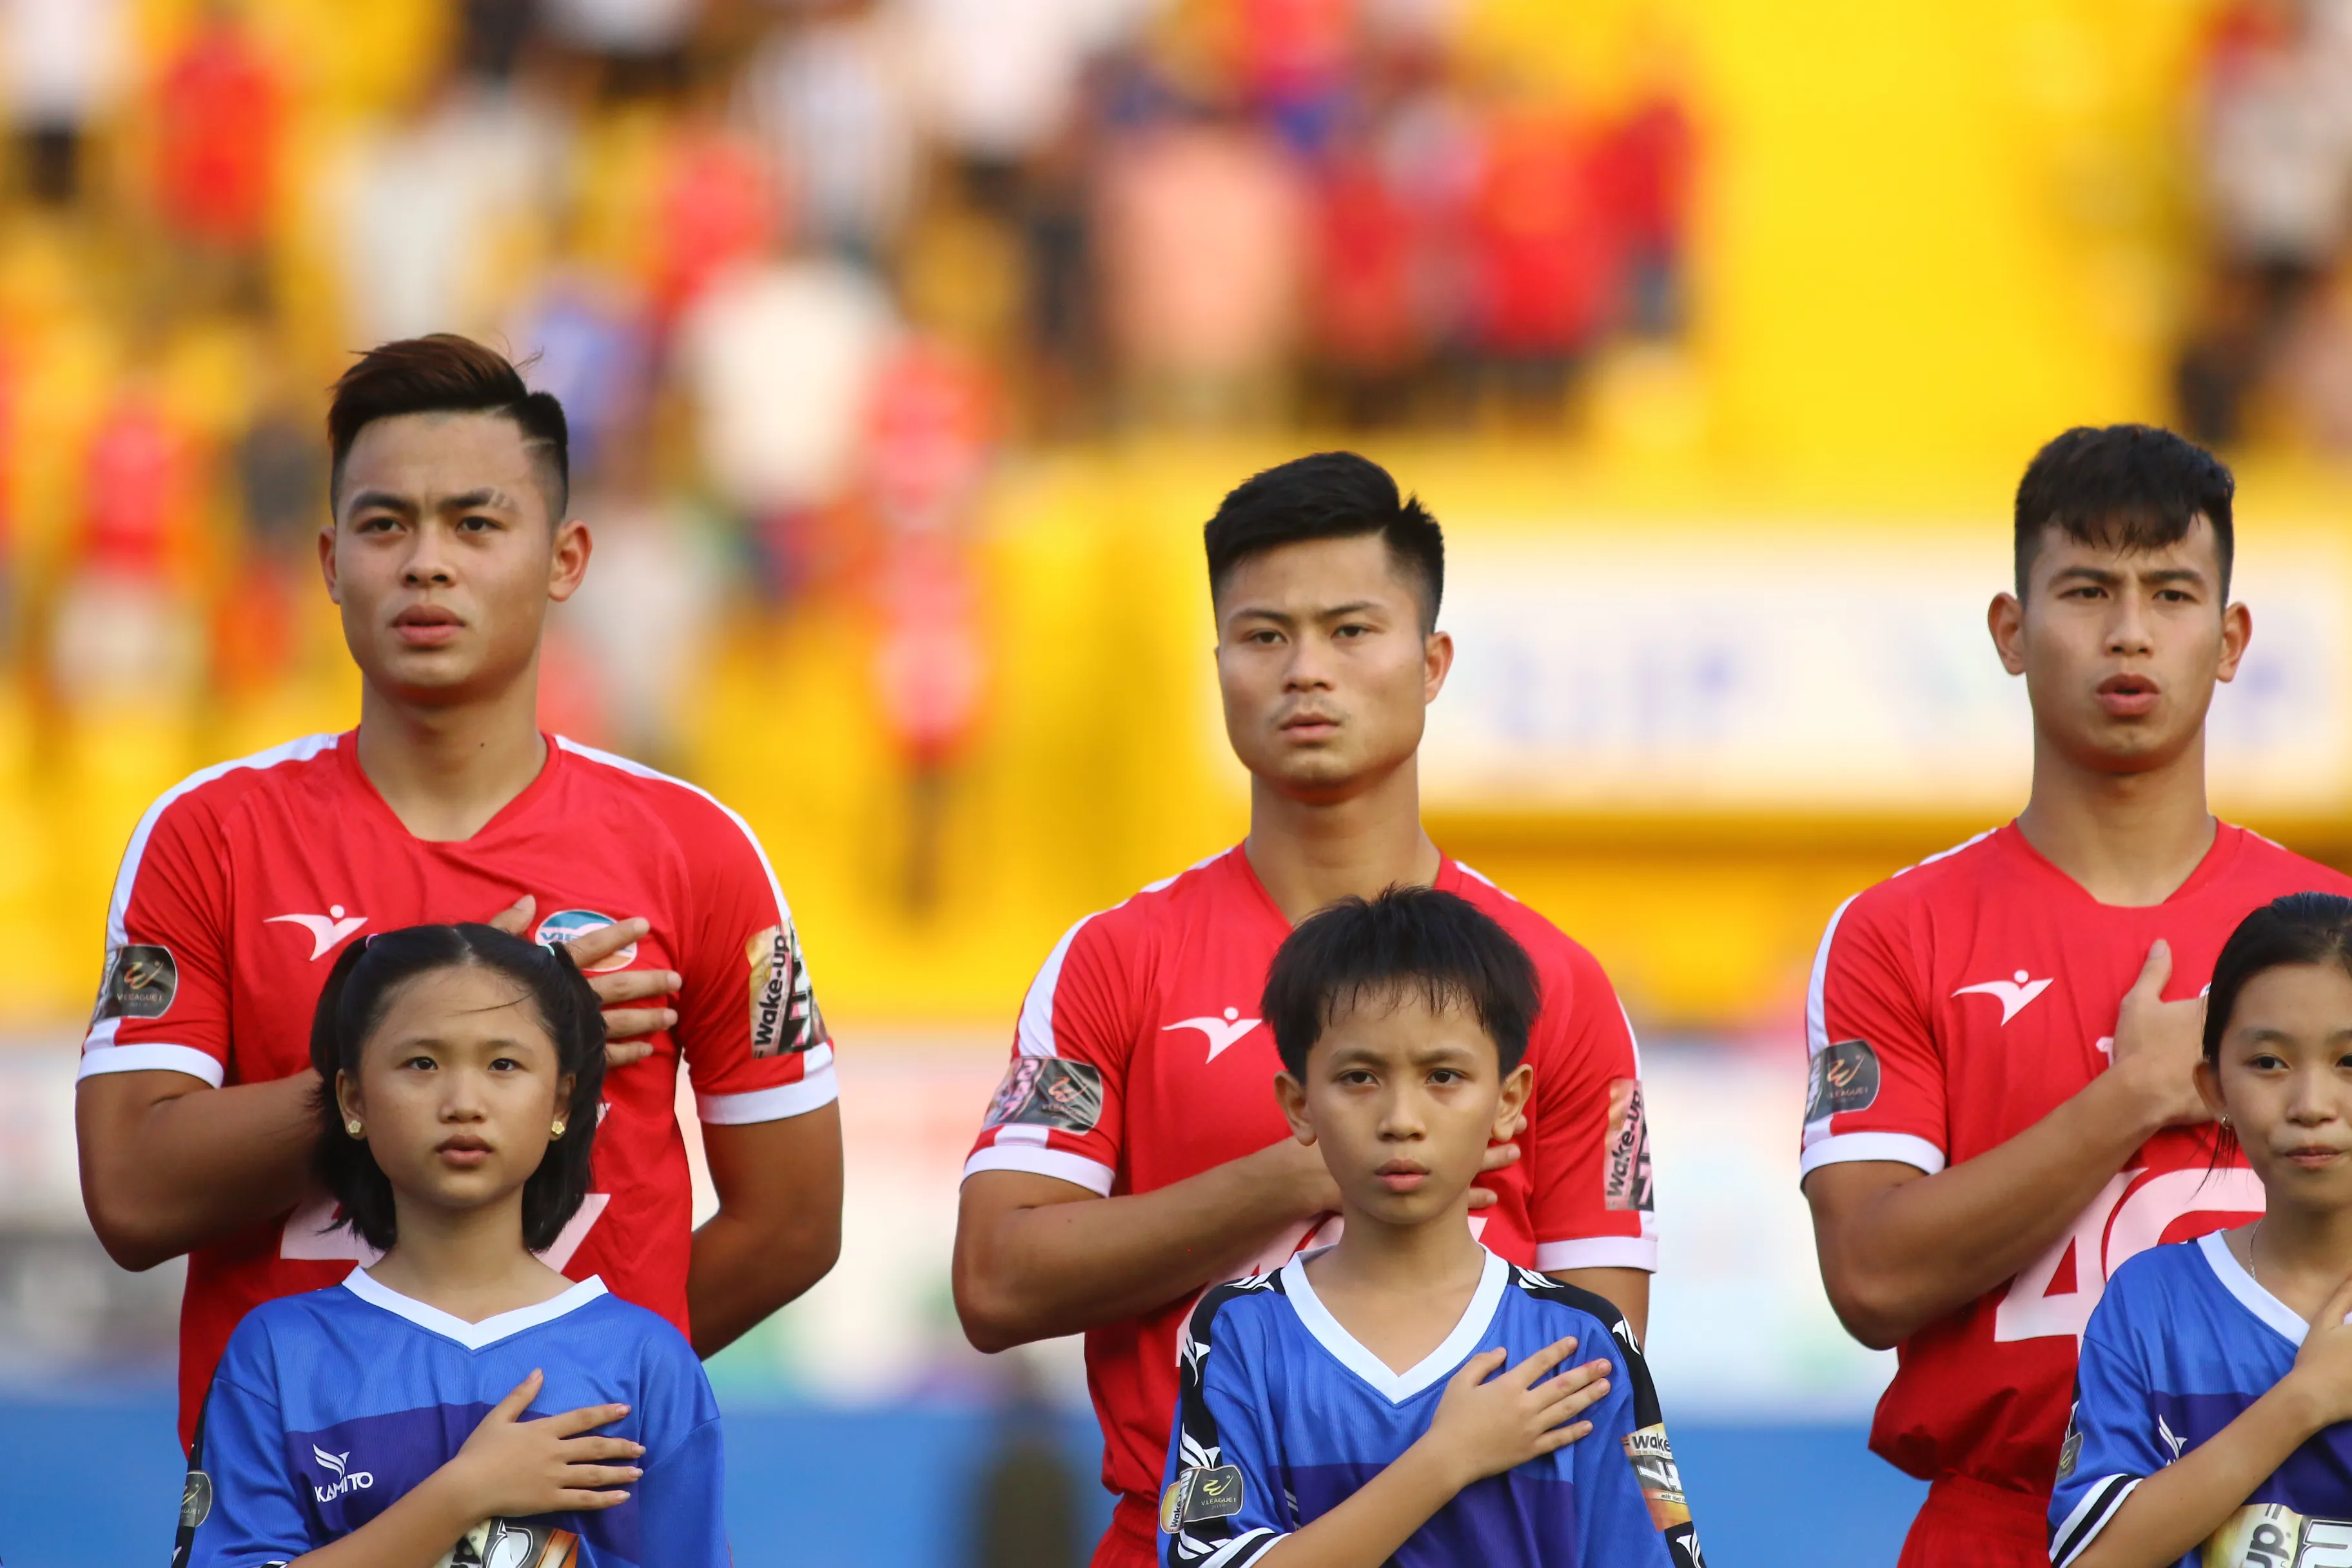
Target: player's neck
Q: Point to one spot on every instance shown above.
(2129, 839)
(1307, 853)
(1399, 1289)
(446, 771)
(469, 1263)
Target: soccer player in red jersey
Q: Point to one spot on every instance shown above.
(2001, 1109)
(446, 543)
(1135, 1154)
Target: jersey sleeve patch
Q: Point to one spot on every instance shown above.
(1199, 1494)
(141, 979)
(1843, 1076)
(784, 1016)
(1627, 1167)
(1048, 1092)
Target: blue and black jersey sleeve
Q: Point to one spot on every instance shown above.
(2112, 1439)
(243, 1505)
(1631, 1509)
(1221, 1503)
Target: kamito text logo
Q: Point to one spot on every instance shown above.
(346, 1479)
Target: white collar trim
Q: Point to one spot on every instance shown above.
(2249, 1291)
(1396, 1386)
(473, 1336)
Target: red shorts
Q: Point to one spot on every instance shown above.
(1133, 1539)
(1968, 1523)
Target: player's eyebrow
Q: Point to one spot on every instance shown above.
(383, 500)
(2174, 575)
(488, 498)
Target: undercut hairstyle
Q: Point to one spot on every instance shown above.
(1409, 942)
(360, 991)
(445, 373)
(1330, 495)
(2126, 488)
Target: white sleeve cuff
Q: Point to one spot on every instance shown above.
(1060, 1165)
(151, 1059)
(817, 1087)
(1844, 1148)
(1599, 1252)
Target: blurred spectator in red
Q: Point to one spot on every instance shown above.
(1645, 166)
(1204, 238)
(1294, 60)
(218, 118)
(718, 210)
(2276, 139)
(125, 632)
(1544, 261)
(832, 96)
(62, 63)
(1368, 334)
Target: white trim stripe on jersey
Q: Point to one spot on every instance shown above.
(1394, 1386)
(818, 1085)
(1062, 1165)
(149, 1058)
(300, 751)
(1602, 1252)
(2090, 1516)
(1902, 1148)
(1817, 1023)
(639, 770)
(2285, 1320)
(473, 1336)
(1034, 1036)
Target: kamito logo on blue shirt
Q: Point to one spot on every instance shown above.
(346, 1479)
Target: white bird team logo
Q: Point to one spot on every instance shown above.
(2012, 994)
(325, 930)
(1222, 1033)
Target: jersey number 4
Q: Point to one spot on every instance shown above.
(2054, 1293)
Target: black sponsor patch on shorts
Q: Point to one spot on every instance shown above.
(1844, 1077)
(140, 981)
(196, 1500)
(1046, 1091)
(1201, 1493)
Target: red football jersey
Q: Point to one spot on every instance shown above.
(242, 883)
(1137, 1062)
(1952, 1006)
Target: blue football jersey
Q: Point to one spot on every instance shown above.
(2183, 1341)
(1282, 1414)
(329, 1406)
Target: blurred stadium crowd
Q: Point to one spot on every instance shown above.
(797, 268)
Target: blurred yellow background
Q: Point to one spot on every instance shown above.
(1920, 240)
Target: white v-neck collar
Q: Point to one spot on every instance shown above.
(1397, 1387)
(2249, 1291)
(473, 1336)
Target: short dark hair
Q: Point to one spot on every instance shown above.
(445, 373)
(1329, 495)
(1409, 939)
(2126, 488)
(2301, 928)
(358, 993)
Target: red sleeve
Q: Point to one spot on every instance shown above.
(1875, 1088)
(1059, 1110)
(749, 1028)
(163, 1003)
(1588, 1141)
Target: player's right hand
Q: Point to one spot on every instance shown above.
(625, 1028)
(514, 1467)
(1488, 1422)
(2158, 1045)
(2322, 1368)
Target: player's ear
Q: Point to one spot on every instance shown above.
(1437, 660)
(348, 1099)
(326, 563)
(1518, 1084)
(2209, 1088)
(1291, 1095)
(2005, 618)
(2236, 631)
(568, 561)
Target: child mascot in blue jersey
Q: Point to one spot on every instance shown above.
(2211, 1401)
(457, 1403)
(1399, 1397)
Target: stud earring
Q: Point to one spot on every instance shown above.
(556, 1130)
(355, 1128)
(2223, 1117)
